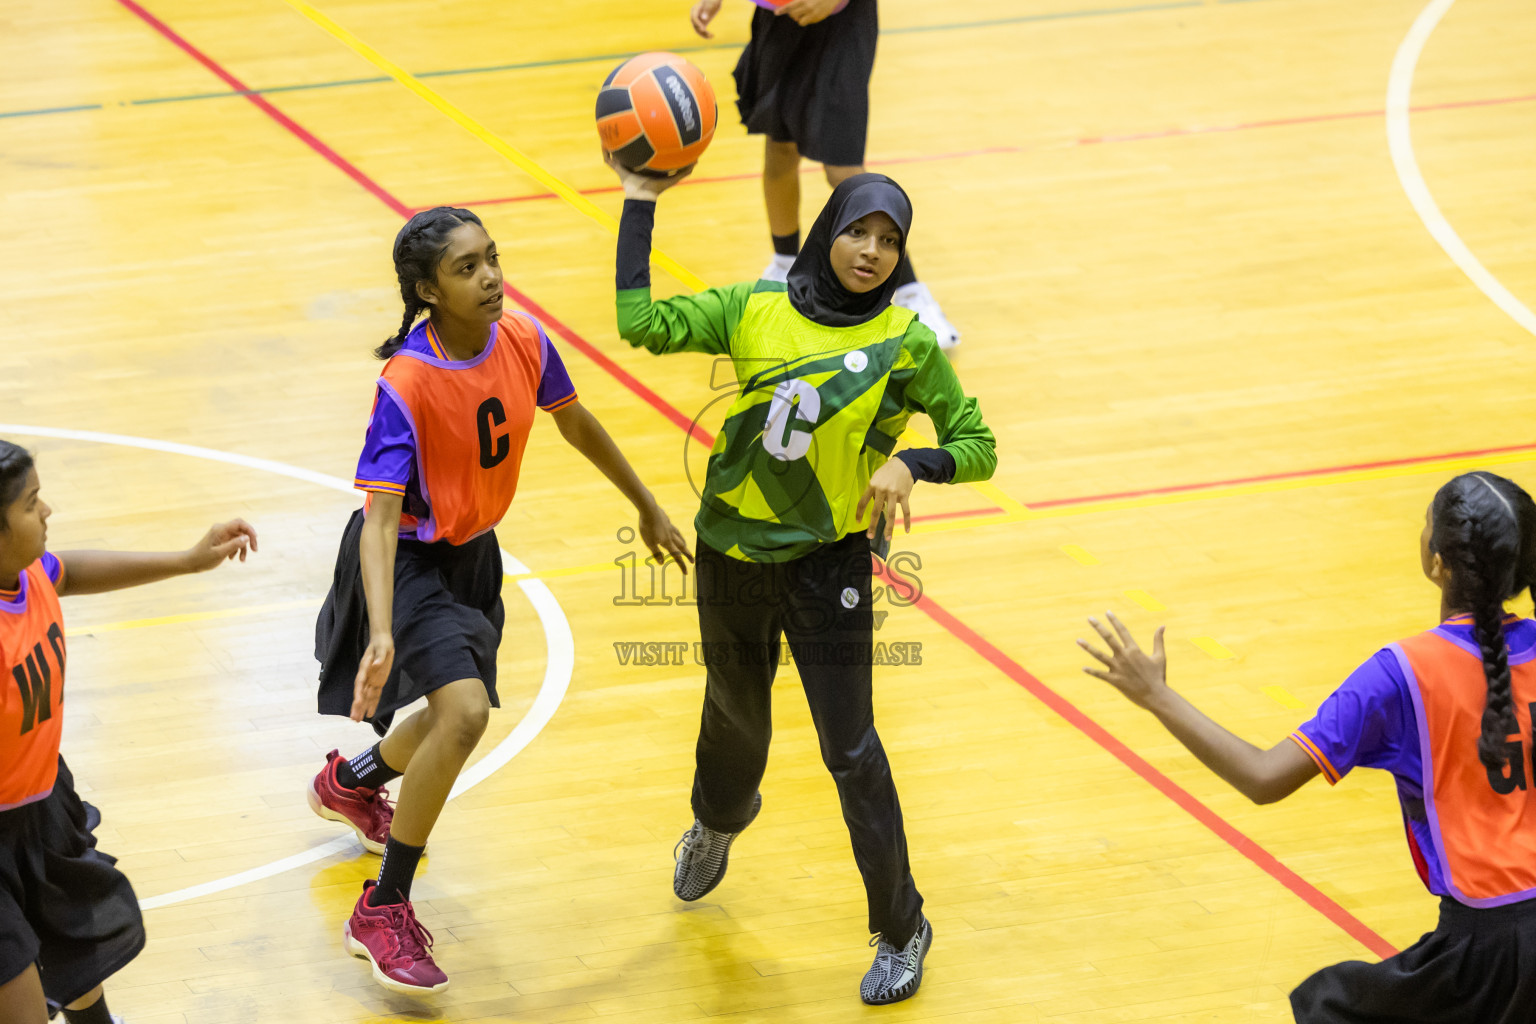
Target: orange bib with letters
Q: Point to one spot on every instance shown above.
(32, 712)
(471, 421)
(1483, 822)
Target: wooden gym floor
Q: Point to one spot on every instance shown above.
(1226, 361)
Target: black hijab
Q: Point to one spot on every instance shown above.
(814, 289)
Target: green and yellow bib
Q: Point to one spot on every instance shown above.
(811, 421)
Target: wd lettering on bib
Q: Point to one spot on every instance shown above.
(31, 689)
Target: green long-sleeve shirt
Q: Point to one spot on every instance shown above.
(818, 409)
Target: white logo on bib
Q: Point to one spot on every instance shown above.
(850, 597)
(855, 361)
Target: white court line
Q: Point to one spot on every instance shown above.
(561, 661)
(1399, 88)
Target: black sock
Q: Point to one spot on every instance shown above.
(96, 1013)
(787, 245)
(396, 873)
(366, 769)
(904, 273)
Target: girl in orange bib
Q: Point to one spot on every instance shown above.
(1449, 713)
(68, 918)
(415, 608)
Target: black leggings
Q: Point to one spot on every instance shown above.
(821, 604)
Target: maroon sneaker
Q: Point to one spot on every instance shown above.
(367, 811)
(390, 938)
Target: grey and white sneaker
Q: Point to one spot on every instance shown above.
(896, 973)
(702, 855)
(778, 268)
(920, 300)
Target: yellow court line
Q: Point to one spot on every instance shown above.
(1235, 491)
(519, 159)
(1285, 698)
(176, 620)
(1146, 600)
(1210, 645)
(282, 606)
(1079, 554)
(536, 171)
(575, 570)
(1148, 501)
(556, 185)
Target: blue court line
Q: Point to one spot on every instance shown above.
(1024, 19)
(52, 110)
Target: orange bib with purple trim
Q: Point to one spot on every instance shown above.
(1483, 822)
(32, 690)
(471, 420)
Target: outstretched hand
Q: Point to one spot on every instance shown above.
(890, 486)
(1142, 677)
(702, 14)
(644, 187)
(661, 538)
(222, 542)
(372, 674)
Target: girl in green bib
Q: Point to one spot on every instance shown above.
(828, 372)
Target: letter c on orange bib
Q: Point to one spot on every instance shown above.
(656, 113)
(471, 421)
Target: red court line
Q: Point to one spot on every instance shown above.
(1092, 140)
(1209, 485)
(1049, 697)
(1261, 857)
(1296, 474)
(341, 162)
(384, 196)
(750, 176)
(965, 513)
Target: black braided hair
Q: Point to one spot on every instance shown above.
(15, 462)
(1484, 530)
(418, 248)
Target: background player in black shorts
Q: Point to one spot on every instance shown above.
(803, 81)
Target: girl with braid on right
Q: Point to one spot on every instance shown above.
(415, 607)
(1449, 713)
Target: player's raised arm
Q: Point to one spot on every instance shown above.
(96, 572)
(1261, 775)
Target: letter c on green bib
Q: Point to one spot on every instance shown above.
(780, 437)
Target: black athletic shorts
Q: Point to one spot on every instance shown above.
(810, 85)
(1476, 967)
(63, 905)
(448, 618)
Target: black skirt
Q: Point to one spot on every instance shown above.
(63, 904)
(810, 85)
(1476, 967)
(447, 621)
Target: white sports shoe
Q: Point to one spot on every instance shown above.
(702, 855)
(896, 973)
(920, 300)
(778, 270)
